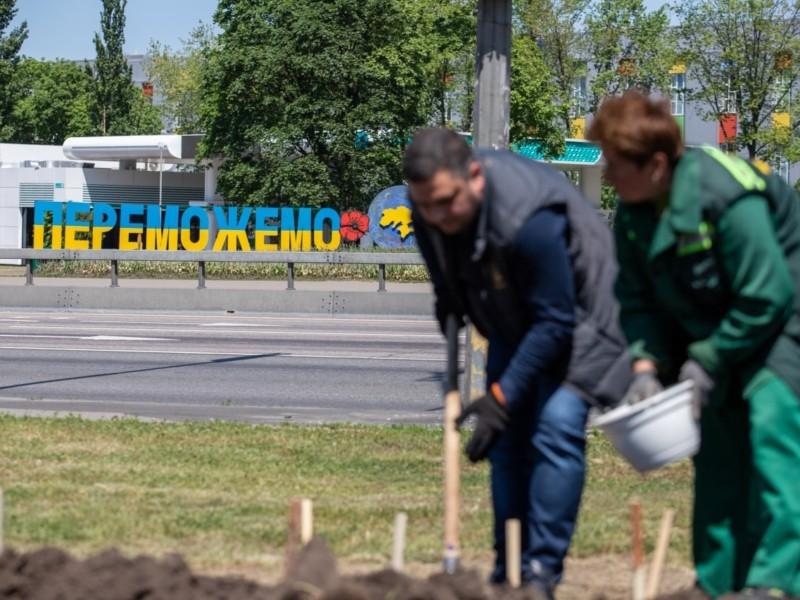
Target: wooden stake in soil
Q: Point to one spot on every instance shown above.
(2, 547)
(306, 521)
(399, 545)
(660, 555)
(513, 552)
(300, 526)
(637, 543)
(452, 476)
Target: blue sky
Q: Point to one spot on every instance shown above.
(66, 28)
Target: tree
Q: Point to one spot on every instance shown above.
(742, 55)
(630, 48)
(448, 28)
(557, 28)
(10, 44)
(177, 78)
(292, 86)
(53, 104)
(144, 118)
(112, 73)
(535, 111)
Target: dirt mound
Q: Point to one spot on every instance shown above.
(52, 574)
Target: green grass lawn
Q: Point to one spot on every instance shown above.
(219, 493)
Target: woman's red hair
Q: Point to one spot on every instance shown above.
(636, 126)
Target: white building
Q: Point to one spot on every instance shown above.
(113, 170)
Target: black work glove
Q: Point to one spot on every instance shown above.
(643, 385)
(703, 385)
(492, 420)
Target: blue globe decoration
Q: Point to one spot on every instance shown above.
(390, 219)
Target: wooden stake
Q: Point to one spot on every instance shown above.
(452, 481)
(2, 547)
(513, 552)
(293, 539)
(637, 542)
(399, 545)
(301, 526)
(660, 555)
(306, 521)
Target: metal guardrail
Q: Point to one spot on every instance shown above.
(201, 258)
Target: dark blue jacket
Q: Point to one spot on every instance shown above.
(535, 270)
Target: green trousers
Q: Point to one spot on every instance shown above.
(746, 530)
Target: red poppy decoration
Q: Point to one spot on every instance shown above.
(354, 224)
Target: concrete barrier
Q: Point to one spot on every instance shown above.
(266, 296)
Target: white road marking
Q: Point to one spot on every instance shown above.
(277, 354)
(123, 338)
(102, 338)
(235, 325)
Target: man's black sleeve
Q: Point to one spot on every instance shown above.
(444, 301)
(542, 270)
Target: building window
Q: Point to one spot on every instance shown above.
(579, 101)
(728, 100)
(781, 93)
(781, 168)
(677, 90)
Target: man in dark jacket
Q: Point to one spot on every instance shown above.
(512, 246)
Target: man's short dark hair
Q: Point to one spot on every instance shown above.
(436, 149)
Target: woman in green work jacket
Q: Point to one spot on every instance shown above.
(709, 253)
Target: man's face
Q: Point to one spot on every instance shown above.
(635, 182)
(449, 201)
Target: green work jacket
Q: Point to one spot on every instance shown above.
(714, 276)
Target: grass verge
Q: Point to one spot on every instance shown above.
(219, 492)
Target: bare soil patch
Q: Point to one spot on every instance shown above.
(51, 574)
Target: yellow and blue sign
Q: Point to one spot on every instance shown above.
(82, 226)
(85, 226)
(390, 219)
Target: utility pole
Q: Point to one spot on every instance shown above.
(490, 130)
(493, 74)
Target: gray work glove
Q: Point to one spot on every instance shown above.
(643, 385)
(703, 385)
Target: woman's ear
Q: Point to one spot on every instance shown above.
(661, 172)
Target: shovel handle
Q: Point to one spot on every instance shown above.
(452, 477)
(451, 331)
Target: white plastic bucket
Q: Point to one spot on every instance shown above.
(656, 431)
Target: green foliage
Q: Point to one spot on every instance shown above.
(53, 103)
(178, 77)
(630, 48)
(290, 85)
(144, 117)
(227, 270)
(608, 197)
(112, 73)
(10, 44)
(449, 30)
(737, 51)
(556, 27)
(534, 109)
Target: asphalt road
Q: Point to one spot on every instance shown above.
(259, 368)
